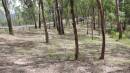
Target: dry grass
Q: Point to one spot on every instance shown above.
(26, 52)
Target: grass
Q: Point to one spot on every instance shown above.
(89, 39)
(126, 41)
(61, 56)
(4, 31)
(89, 49)
(119, 61)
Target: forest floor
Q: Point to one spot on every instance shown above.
(26, 52)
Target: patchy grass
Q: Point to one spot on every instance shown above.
(27, 52)
(125, 41)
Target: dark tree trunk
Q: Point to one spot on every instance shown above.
(61, 17)
(44, 21)
(35, 22)
(39, 15)
(88, 21)
(75, 29)
(100, 6)
(94, 26)
(53, 14)
(60, 24)
(124, 26)
(8, 16)
(87, 24)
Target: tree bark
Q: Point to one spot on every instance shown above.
(75, 29)
(8, 16)
(60, 23)
(39, 15)
(100, 6)
(35, 22)
(94, 26)
(44, 21)
(119, 25)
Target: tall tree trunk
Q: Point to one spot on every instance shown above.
(94, 26)
(39, 15)
(58, 16)
(75, 29)
(61, 17)
(60, 24)
(8, 16)
(53, 15)
(100, 6)
(88, 21)
(119, 25)
(87, 24)
(35, 22)
(44, 21)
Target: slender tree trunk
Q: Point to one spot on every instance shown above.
(94, 26)
(8, 16)
(58, 16)
(75, 29)
(60, 24)
(119, 25)
(53, 14)
(100, 6)
(61, 17)
(87, 24)
(39, 15)
(88, 21)
(44, 21)
(35, 22)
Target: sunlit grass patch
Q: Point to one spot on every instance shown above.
(61, 56)
(89, 40)
(126, 41)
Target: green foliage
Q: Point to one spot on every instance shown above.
(112, 32)
(127, 10)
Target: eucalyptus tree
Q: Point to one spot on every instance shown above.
(8, 16)
(100, 6)
(60, 26)
(75, 29)
(39, 4)
(44, 22)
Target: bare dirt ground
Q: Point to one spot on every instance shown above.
(26, 52)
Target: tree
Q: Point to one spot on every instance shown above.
(119, 25)
(44, 22)
(75, 29)
(59, 18)
(39, 14)
(100, 7)
(8, 16)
